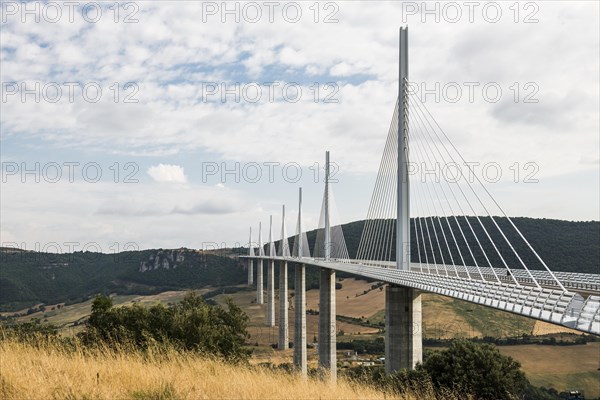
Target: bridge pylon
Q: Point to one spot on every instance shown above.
(250, 261)
(403, 333)
(284, 251)
(327, 309)
(384, 253)
(300, 352)
(270, 318)
(259, 272)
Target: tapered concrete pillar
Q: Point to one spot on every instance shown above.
(270, 320)
(327, 325)
(250, 261)
(300, 360)
(259, 283)
(250, 272)
(300, 352)
(284, 339)
(259, 272)
(403, 334)
(271, 293)
(284, 251)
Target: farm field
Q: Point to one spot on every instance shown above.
(566, 367)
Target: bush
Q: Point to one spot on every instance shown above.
(376, 346)
(478, 369)
(32, 330)
(191, 324)
(399, 383)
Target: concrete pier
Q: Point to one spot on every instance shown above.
(250, 272)
(403, 333)
(259, 273)
(300, 360)
(271, 294)
(259, 283)
(327, 325)
(284, 338)
(250, 261)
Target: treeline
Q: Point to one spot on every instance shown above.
(377, 346)
(189, 325)
(29, 278)
(563, 245)
(362, 346)
(573, 339)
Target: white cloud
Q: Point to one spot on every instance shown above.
(167, 173)
(108, 212)
(168, 54)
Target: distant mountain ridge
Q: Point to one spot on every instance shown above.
(563, 245)
(28, 278)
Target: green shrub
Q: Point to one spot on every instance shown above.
(478, 369)
(191, 324)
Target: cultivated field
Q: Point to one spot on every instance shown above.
(566, 367)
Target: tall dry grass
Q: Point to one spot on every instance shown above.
(49, 370)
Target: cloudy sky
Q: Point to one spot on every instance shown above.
(181, 123)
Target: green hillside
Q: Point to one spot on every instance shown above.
(563, 245)
(28, 278)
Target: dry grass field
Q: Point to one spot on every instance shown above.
(48, 372)
(566, 367)
(545, 328)
(556, 366)
(351, 300)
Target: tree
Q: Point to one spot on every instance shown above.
(100, 306)
(478, 369)
(31, 330)
(191, 324)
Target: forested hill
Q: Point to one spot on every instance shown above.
(563, 245)
(28, 278)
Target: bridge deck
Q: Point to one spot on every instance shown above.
(547, 303)
(571, 280)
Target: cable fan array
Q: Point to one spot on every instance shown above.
(453, 230)
(337, 244)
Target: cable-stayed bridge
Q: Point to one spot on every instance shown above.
(423, 233)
